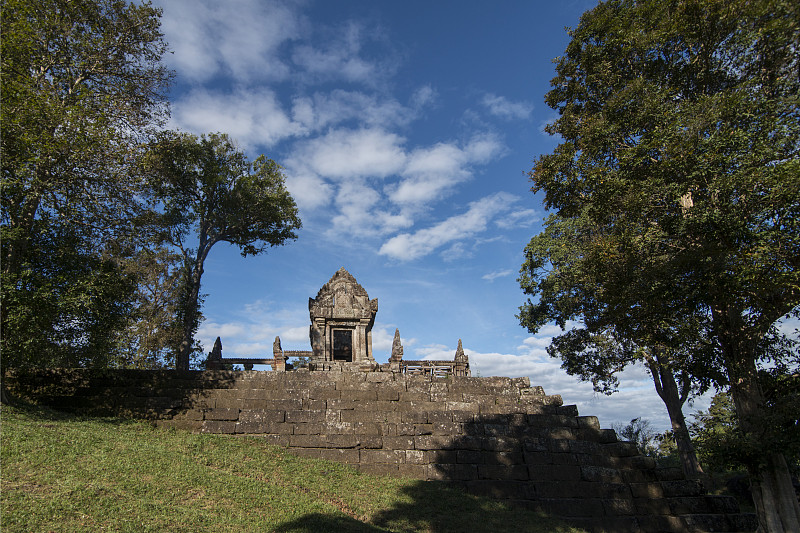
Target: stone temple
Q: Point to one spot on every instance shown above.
(340, 334)
(342, 316)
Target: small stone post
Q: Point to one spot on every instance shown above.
(461, 360)
(279, 364)
(397, 352)
(214, 360)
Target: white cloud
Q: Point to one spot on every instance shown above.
(341, 58)
(500, 106)
(409, 246)
(237, 38)
(491, 276)
(252, 117)
(432, 171)
(424, 96)
(297, 335)
(344, 154)
(523, 218)
(322, 110)
(308, 190)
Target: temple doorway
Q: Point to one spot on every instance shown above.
(343, 345)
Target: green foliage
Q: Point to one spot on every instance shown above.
(63, 473)
(82, 86)
(721, 444)
(207, 189)
(641, 432)
(676, 184)
(676, 191)
(153, 332)
(65, 307)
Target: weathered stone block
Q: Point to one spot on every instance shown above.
(683, 488)
(322, 392)
(509, 472)
(382, 456)
(503, 458)
(311, 428)
(622, 449)
(553, 472)
(647, 490)
(388, 395)
(219, 426)
(652, 506)
(262, 416)
(470, 457)
(569, 507)
(414, 396)
(342, 441)
(707, 522)
(314, 405)
(465, 417)
(588, 422)
(398, 443)
(380, 377)
(433, 442)
(501, 444)
(308, 441)
(417, 457)
(359, 395)
(340, 405)
(368, 429)
(357, 416)
(286, 405)
(461, 406)
(221, 414)
(303, 416)
(599, 473)
(446, 428)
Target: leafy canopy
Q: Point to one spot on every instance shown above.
(676, 187)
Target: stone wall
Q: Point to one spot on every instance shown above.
(497, 437)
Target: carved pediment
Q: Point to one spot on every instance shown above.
(342, 295)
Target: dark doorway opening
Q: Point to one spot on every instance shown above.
(343, 345)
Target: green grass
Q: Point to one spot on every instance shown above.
(66, 473)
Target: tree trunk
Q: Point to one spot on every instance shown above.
(770, 482)
(4, 396)
(776, 505)
(667, 389)
(190, 315)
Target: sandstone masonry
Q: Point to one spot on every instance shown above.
(497, 437)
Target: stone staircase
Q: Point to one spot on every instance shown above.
(495, 437)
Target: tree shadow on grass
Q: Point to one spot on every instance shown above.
(318, 522)
(435, 507)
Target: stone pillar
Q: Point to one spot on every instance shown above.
(214, 360)
(461, 361)
(279, 359)
(397, 352)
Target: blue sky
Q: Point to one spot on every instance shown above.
(405, 130)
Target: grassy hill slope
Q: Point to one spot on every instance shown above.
(66, 473)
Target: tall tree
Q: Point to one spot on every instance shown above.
(209, 192)
(82, 86)
(678, 179)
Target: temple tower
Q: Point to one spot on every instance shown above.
(342, 316)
